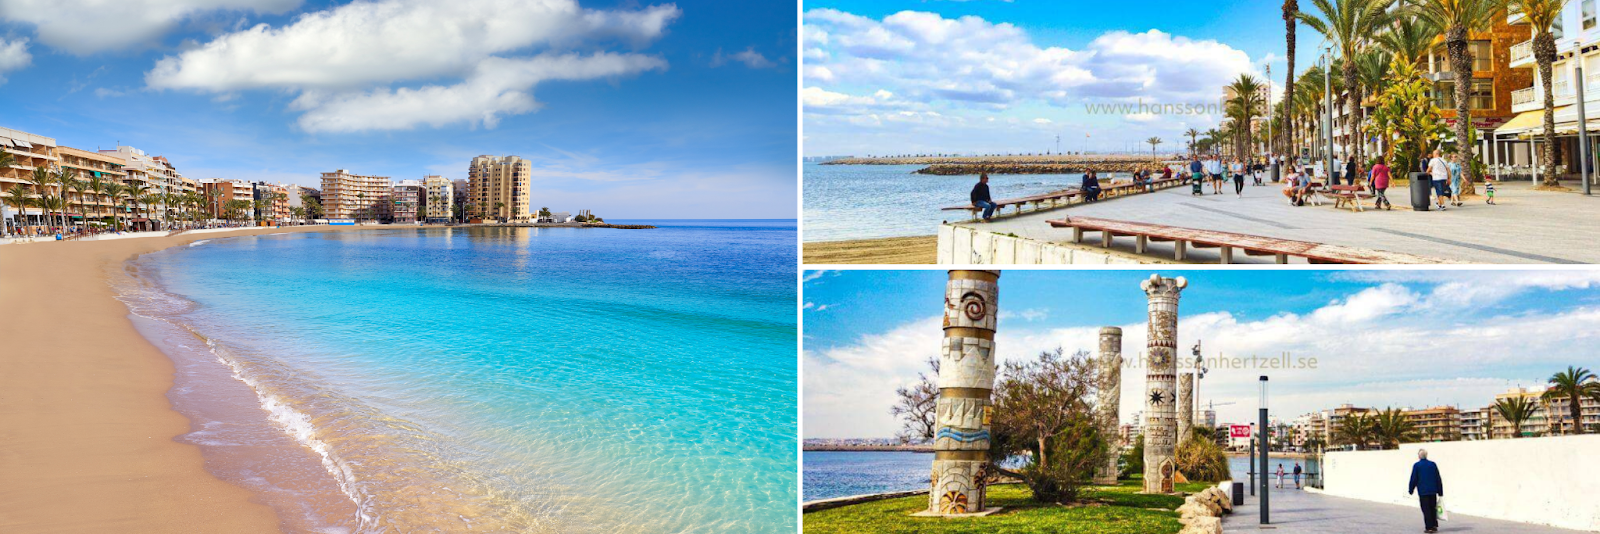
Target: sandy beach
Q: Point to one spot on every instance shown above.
(86, 429)
(893, 250)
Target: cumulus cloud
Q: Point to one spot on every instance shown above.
(13, 55)
(975, 62)
(496, 87)
(1378, 346)
(88, 26)
(343, 60)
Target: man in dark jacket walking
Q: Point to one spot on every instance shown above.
(980, 197)
(1425, 482)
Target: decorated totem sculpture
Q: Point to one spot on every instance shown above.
(1185, 406)
(1160, 403)
(1110, 399)
(966, 380)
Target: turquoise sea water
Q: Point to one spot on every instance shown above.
(831, 474)
(492, 380)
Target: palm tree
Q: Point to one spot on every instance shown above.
(1193, 137)
(136, 192)
(1290, 7)
(1393, 428)
(1409, 38)
(79, 186)
(1459, 18)
(54, 203)
(1244, 107)
(1350, 25)
(6, 161)
(1542, 15)
(1153, 142)
(1372, 72)
(114, 192)
(1214, 135)
(499, 208)
(1515, 410)
(18, 197)
(1356, 429)
(1574, 384)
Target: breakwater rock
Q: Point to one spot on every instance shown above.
(956, 169)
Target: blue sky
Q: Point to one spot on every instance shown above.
(985, 75)
(1381, 338)
(630, 109)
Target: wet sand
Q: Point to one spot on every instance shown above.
(920, 250)
(86, 429)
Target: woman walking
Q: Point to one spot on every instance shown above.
(1380, 184)
(1238, 178)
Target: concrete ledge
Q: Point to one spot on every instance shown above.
(963, 245)
(824, 504)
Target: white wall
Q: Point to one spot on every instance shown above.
(1549, 481)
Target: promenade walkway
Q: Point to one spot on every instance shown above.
(1526, 225)
(1304, 512)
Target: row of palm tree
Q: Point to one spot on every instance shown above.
(1389, 428)
(1372, 36)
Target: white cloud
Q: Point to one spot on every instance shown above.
(496, 87)
(1380, 346)
(13, 55)
(974, 62)
(749, 57)
(87, 26)
(343, 60)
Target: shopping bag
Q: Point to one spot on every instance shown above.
(1443, 514)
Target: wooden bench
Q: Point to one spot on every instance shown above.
(1348, 196)
(1251, 245)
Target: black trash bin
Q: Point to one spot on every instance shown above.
(1421, 184)
(1275, 170)
(1238, 494)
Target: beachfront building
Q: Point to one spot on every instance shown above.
(273, 201)
(1536, 425)
(1475, 424)
(150, 176)
(1439, 423)
(29, 151)
(355, 196)
(498, 187)
(1494, 79)
(459, 193)
(404, 201)
(88, 166)
(216, 193)
(438, 198)
(1577, 36)
(1560, 415)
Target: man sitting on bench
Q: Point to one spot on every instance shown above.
(1296, 186)
(1091, 187)
(980, 197)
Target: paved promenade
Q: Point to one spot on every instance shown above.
(1304, 512)
(1526, 226)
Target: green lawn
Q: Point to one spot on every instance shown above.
(1104, 510)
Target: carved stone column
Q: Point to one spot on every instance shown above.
(1160, 402)
(966, 380)
(1185, 405)
(1110, 400)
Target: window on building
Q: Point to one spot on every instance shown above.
(1480, 96)
(1588, 14)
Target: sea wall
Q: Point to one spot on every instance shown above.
(960, 245)
(1549, 481)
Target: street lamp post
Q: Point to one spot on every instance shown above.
(1327, 126)
(1263, 431)
(1583, 135)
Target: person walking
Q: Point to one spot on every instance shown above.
(1280, 476)
(1455, 181)
(1380, 184)
(1297, 475)
(1428, 486)
(1439, 175)
(1238, 178)
(1350, 170)
(980, 197)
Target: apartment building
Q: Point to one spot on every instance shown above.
(355, 196)
(404, 201)
(216, 193)
(460, 191)
(1475, 424)
(498, 187)
(274, 199)
(1560, 415)
(90, 166)
(1439, 423)
(438, 198)
(1577, 36)
(29, 151)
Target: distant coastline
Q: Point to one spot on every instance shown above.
(867, 448)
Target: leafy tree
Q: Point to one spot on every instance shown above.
(1573, 384)
(915, 406)
(1515, 410)
(1043, 408)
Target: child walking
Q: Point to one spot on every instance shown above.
(1488, 189)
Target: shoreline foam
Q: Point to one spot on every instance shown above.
(87, 434)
